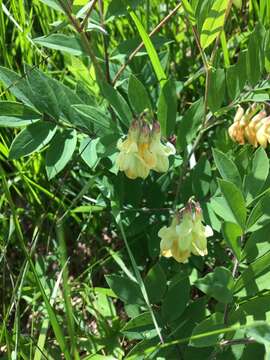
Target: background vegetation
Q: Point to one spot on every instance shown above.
(81, 276)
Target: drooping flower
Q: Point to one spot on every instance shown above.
(251, 130)
(160, 151)
(263, 132)
(130, 159)
(143, 151)
(185, 236)
(236, 130)
(250, 127)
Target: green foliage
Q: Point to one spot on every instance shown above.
(213, 23)
(167, 107)
(82, 276)
(217, 284)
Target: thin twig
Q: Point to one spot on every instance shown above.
(154, 31)
(105, 42)
(91, 7)
(207, 66)
(77, 26)
(139, 279)
(237, 342)
(226, 308)
(213, 55)
(234, 273)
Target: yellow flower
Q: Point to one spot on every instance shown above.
(129, 159)
(253, 127)
(200, 233)
(263, 132)
(248, 126)
(143, 151)
(236, 130)
(160, 151)
(185, 236)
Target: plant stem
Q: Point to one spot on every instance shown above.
(226, 309)
(105, 41)
(91, 6)
(237, 342)
(85, 41)
(139, 278)
(154, 31)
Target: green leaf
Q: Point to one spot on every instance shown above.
(67, 43)
(189, 124)
(207, 334)
(66, 98)
(60, 152)
(201, 178)
(31, 139)
(235, 201)
(117, 101)
(216, 89)
(167, 107)
(214, 22)
(260, 214)
(257, 244)
(214, 322)
(161, 76)
(126, 289)
(227, 168)
(119, 7)
(140, 327)
(255, 180)
(255, 55)
(44, 98)
(220, 206)
(190, 11)
(98, 117)
(138, 96)
(256, 308)
(236, 76)
(14, 114)
(175, 300)
(17, 85)
(261, 334)
(217, 284)
(237, 3)
(88, 151)
(248, 279)
(54, 4)
(232, 234)
(155, 284)
(202, 9)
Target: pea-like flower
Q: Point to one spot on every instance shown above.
(160, 151)
(263, 132)
(135, 158)
(250, 127)
(185, 236)
(143, 151)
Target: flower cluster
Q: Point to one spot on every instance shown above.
(251, 127)
(143, 151)
(186, 235)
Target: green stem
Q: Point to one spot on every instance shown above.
(54, 321)
(139, 278)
